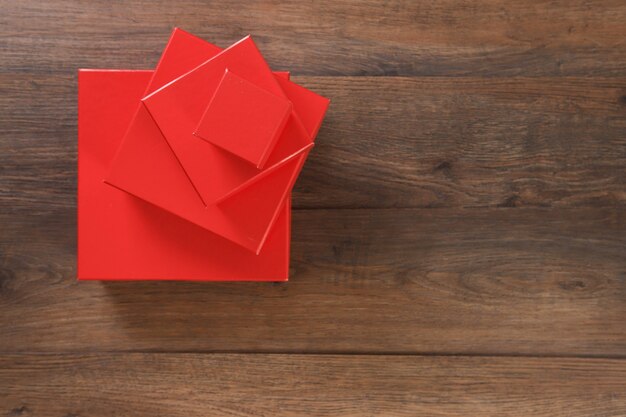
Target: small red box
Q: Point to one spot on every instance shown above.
(244, 119)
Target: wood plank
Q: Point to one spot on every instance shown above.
(387, 142)
(471, 281)
(470, 142)
(297, 385)
(356, 37)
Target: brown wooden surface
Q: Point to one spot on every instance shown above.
(354, 37)
(469, 202)
(476, 281)
(303, 385)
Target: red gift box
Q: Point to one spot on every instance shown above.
(185, 172)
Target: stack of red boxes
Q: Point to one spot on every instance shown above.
(185, 172)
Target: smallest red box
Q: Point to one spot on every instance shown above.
(244, 119)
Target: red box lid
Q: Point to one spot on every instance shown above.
(233, 198)
(121, 237)
(244, 119)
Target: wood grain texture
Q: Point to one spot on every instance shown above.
(470, 281)
(466, 197)
(296, 385)
(356, 37)
(387, 142)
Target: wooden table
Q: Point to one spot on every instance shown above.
(459, 233)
